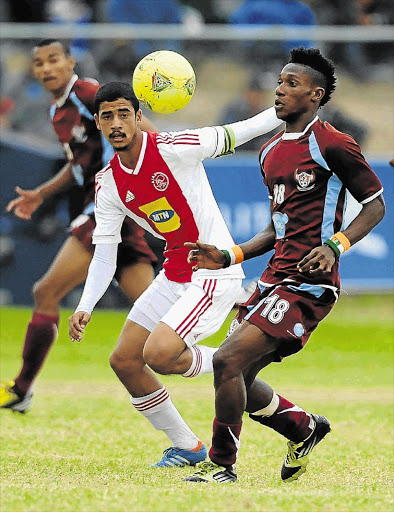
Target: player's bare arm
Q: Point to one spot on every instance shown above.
(29, 200)
(76, 325)
(321, 259)
(209, 256)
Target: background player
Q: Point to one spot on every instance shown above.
(87, 152)
(307, 169)
(159, 180)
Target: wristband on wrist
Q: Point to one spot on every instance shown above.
(339, 243)
(227, 262)
(233, 256)
(238, 253)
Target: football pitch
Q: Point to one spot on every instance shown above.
(83, 447)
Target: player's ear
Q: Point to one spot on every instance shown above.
(97, 122)
(318, 94)
(138, 116)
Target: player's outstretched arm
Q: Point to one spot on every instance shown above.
(205, 256)
(29, 200)
(26, 204)
(321, 259)
(209, 256)
(76, 325)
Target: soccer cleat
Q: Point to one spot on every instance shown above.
(11, 399)
(211, 472)
(177, 457)
(297, 457)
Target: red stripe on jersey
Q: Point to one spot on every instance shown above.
(160, 201)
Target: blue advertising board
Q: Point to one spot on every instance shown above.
(242, 197)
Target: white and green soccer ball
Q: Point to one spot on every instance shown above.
(164, 81)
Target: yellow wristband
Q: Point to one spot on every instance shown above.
(344, 242)
(239, 255)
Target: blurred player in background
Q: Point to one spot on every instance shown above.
(307, 169)
(87, 152)
(158, 179)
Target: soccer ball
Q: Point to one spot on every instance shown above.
(164, 81)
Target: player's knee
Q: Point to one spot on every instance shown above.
(42, 292)
(121, 364)
(224, 366)
(158, 361)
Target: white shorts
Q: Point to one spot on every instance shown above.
(193, 310)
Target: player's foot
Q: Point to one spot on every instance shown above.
(211, 472)
(178, 457)
(297, 457)
(11, 398)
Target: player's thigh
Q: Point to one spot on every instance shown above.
(68, 269)
(130, 344)
(135, 279)
(202, 308)
(245, 348)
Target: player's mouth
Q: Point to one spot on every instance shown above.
(279, 104)
(49, 79)
(117, 136)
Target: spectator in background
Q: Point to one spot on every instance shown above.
(253, 101)
(145, 12)
(273, 12)
(342, 122)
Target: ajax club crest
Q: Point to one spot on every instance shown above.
(305, 180)
(160, 181)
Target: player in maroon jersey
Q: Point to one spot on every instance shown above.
(307, 169)
(87, 152)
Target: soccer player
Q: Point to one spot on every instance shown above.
(72, 117)
(307, 168)
(158, 179)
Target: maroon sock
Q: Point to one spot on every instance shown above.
(289, 420)
(40, 335)
(225, 443)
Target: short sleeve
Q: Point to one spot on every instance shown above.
(348, 163)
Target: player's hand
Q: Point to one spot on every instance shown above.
(318, 262)
(204, 256)
(26, 204)
(76, 325)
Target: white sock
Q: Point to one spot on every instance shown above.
(202, 360)
(162, 414)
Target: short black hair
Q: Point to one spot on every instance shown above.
(112, 91)
(47, 42)
(324, 69)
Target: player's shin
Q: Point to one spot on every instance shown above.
(285, 418)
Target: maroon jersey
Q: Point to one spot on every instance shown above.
(73, 121)
(307, 176)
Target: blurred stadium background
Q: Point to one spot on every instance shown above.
(237, 56)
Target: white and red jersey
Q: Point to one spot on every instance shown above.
(169, 195)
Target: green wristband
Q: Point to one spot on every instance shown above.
(227, 263)
(333, 246)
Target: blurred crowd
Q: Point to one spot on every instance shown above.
(22, 99)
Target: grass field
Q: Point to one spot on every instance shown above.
(83, 448)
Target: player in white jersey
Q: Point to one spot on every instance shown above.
(159, 181)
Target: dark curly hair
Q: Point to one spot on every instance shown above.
(322, 69)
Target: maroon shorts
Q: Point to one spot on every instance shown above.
(132, 249)
(287, 313)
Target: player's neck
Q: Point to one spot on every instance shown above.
(129, 156)
(298, 124)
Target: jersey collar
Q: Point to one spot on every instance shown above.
(61, 101)
(293, 136)
(137, 168)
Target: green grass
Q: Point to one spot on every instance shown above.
(83, 448)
